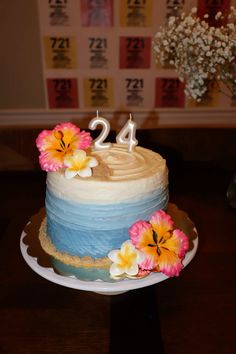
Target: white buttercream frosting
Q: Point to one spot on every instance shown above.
(132, 176)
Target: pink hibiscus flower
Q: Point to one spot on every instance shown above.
(54, 145)
(163, 246)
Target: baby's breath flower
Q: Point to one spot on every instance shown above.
(218, 15)
(200, 53)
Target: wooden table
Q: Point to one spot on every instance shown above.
(194, 313)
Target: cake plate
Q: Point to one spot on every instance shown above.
(40, 262)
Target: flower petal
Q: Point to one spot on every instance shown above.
(169, 263)
(132, 270)
(161, 223)
(85, 172)
(43, 140)
(113, 255)
(116, 270)
(92, 162)
(50, 162)
(79, 155)
(70, 173)
(85, 140)
(68, 161)
(141, 234)
(67, 126)
(150, 262)
(127, 248)
(180, 241)
(140, 256)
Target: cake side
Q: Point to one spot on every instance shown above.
(92, 216)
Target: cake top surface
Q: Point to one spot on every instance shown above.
(68, 150)
(117, 164)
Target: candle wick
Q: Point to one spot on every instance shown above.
(97, 114)
(130, 116)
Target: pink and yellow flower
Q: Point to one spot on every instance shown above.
(79, 164)
(164, 247)
(54, 145)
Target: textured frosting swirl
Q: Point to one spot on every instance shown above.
(125, 165)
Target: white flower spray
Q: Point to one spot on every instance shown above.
(201, 54)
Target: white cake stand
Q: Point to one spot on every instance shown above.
(98, 286)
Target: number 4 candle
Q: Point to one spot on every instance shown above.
(127, 135)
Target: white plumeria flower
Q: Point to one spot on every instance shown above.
(79, 164)
(125, 260)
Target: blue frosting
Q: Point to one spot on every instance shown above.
(90, 229)
(82, 273)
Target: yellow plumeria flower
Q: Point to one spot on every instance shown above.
(79, 164)
(125, 260)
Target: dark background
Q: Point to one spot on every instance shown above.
(194, 313)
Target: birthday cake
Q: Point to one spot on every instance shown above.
(106, 208)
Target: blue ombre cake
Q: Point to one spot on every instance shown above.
(86, 218)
